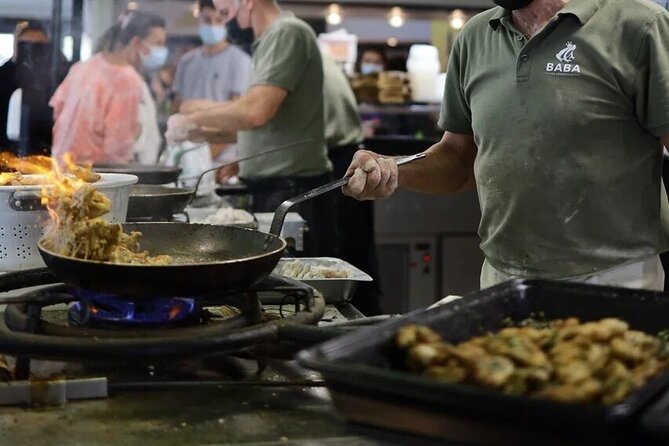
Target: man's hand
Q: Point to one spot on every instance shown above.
(373, 176)
(226, 172)
(178, 128)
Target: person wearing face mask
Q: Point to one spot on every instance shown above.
(558, 119)
(26, 32)
(96, 108)
(372, 61)
(282, 108)
(216, 71)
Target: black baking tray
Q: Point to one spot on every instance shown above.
(364, 372)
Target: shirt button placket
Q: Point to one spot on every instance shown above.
(523, 67)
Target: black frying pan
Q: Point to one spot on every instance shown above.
(208, 258)
(146, 174)
(154, 200)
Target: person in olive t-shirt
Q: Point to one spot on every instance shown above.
(557, 111)
(282, 108)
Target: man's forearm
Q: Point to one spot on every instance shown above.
(442, 171)
(229, 117)
(213, 136)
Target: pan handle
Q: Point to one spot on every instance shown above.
(241, 160)
(282, 210)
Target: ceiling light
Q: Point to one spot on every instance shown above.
(132, 5)
(396, 17)
(392, 42)
(458, 19)
(334, 14)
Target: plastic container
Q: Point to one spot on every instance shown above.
(424, 67)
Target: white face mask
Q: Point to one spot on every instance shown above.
(156, 58)
(212, 34)
(370, 68)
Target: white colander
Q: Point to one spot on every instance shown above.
(22, 218)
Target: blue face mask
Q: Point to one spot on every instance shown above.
(156, 58)
(212, 34)
(370, 68)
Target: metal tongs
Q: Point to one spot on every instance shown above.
(282, 210)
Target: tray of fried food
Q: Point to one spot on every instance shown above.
(562, 360)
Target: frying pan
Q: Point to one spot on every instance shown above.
(207, 258)
(147, 174)
(154, 200)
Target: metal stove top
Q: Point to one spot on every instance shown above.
(251, 394)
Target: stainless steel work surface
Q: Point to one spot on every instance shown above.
(195, 414)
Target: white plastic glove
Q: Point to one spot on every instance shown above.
(178, 128)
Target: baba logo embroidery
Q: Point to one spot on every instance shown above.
(564, 67)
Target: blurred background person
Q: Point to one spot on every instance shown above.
(355, 219)
(26, 84)
(97, 107)
(25, 32)
(217, 71)
(371, 61)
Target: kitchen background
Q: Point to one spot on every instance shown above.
(427, 246)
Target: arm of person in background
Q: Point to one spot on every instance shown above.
(252, 110)
(195, 105)
(121, 120)
(448, 167)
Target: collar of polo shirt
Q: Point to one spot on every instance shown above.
(583, 10)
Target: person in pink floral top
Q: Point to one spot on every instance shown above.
(96, 107)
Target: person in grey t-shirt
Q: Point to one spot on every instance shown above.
(217, 71)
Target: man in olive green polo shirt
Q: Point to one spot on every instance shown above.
(282, 108)
(556, 110)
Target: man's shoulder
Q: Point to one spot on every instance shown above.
(633, 18)
(639, 9)
(294, 25)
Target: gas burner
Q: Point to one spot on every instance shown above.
(30, 333)
(98, 309)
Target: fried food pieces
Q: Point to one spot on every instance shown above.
(15, 170)
(78, 230)
(562, 360)
(17, 179)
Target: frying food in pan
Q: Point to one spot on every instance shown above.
(79, 231)
(562, 360)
